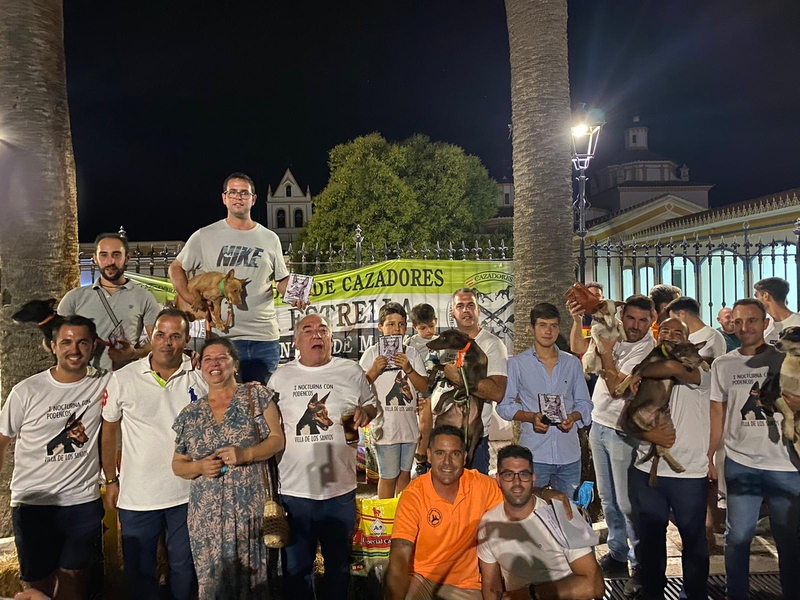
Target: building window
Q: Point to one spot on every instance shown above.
(507, 199)
(281, 219)
(633, 139)
(288, 190)
(298, 218)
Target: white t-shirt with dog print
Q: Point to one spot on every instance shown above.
(318, 463)
(57, 426)
(255, 255)
(752, 438)
(773, 331)
(397, 421)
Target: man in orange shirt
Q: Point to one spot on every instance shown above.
(435, 535)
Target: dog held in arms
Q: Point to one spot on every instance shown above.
(788, 380)
(459, 406)
(649, 408)
(606, 329)
(208, 290)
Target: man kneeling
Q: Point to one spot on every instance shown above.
(518, 554)
(433, 554)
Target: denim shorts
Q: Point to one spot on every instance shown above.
(53, 537)
(393, 458)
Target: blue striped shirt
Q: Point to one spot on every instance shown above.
(527, 378)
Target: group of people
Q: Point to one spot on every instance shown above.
(186, 444)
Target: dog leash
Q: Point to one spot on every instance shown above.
(463, 371)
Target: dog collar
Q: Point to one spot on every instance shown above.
(664, 351)
(47, 319)
(461, 353)
(222, 286)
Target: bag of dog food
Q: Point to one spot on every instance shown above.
(373, 536)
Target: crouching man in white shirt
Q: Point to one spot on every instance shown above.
(518, 554)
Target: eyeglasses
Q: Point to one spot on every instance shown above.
(238, 194)
(509, 475)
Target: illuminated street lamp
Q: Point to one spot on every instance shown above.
(586, 128)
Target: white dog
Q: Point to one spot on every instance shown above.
(606, 329)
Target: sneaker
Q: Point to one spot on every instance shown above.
(634, 585)
(612, 567)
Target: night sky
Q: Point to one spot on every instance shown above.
(167, 98)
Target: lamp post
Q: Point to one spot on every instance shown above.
(585, 133)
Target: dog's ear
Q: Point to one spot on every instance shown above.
(230, 274)
(699, 345)
(313, 400)
(618, 304)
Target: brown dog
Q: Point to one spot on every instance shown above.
(649, 408)
(208, 290)
(456, 407)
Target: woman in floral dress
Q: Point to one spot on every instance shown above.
(218, 449)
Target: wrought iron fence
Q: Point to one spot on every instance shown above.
(316, 260)
(714, 270)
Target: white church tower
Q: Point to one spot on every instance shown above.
(288, 209)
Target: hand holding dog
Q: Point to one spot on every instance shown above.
(792, 401)
(210, 466)
(663, 435)
(453, 374)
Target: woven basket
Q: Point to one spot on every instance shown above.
(276, 525)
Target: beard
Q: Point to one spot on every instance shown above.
(114, 274)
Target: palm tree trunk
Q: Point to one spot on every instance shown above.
(38, 227)
(540, 114)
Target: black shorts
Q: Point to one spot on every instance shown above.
(57, 537)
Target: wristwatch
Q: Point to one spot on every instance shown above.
(114, 480)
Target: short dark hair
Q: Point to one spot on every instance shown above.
(664, 294)
(544, 310)
(422, 313)
(775, 286)
(171, 311)
(752, 302)
(639, 301)
(595, 284)
(391, 308)
(221, 341)
(447, 430)
(74, 321)
(112, 236)
(514, 451)
(238, 176)
(465, 290)
(687, 303)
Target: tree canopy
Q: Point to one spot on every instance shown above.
(411, 191)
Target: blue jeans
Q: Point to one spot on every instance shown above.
(257, 360)
(613, 453)
(480, 458)
(564, 478)
(747, 487)
(140, 532)
(331, 523)
(651, 505)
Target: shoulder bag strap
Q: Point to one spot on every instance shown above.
(261, 464)
(107, 306)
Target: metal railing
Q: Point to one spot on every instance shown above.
(316, 260)
(715, 270)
